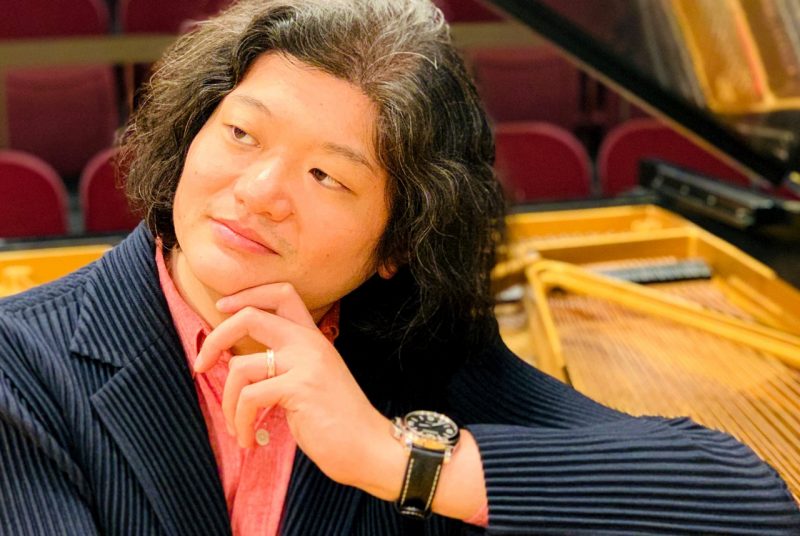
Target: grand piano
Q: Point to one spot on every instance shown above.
(656, 302)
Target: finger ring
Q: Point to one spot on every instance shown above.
(270, 355)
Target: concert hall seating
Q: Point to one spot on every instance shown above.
(160, 16)
(62, 114)
(527, 84)
(102, 201)
(638, 139)
(539, 161)
(466, 11)
(34, 198)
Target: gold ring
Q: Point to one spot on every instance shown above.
(270, 355)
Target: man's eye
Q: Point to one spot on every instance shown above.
(325, 179)
(241, 136)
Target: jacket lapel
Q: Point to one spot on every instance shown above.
(150, 409)
(149, 405)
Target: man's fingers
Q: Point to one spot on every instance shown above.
(280, 298)
(266, 328)
(243, 370)
(264, 394)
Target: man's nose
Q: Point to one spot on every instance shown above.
(265, 190)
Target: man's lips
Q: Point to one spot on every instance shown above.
(241, 235)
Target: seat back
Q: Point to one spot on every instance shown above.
(52, 18)
(63, 114)
(34, 198)
(466, 11)
(538, 161)
(527, 84)
(640, 139)
(103, 201)
(158, 16)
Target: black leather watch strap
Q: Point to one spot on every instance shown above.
(421, 478)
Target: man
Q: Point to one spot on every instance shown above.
(320, 218)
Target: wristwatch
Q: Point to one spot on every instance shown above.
(430, 439)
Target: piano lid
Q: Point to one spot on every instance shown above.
(726, 72)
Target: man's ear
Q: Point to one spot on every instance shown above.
(387, 269)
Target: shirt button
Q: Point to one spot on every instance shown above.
(262, 436)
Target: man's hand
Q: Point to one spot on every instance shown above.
(329, 416)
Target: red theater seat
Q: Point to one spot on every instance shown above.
(34, 198)
(40, 18)
(62, 114)
(160, 16)
(103, 201)
(640, 139)
(527, 84)
(537, 161)
(466, 11)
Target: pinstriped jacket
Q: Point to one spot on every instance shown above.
(101, 433)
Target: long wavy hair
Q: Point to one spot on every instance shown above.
(432, 137)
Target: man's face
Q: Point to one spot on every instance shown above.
(282, 185)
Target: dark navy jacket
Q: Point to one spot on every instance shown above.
(101, 432)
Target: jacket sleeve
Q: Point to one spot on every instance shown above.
(41, 490)
(555, 462)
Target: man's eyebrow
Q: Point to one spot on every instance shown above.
(252, 103)
(343, 150)
(350, 154)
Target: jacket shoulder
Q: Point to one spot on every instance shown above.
(48, 294)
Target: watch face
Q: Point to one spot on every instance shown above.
(432, 425)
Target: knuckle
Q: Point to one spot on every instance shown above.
(248, 396)
(286, 290)
(249, 313)
(235, 365)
